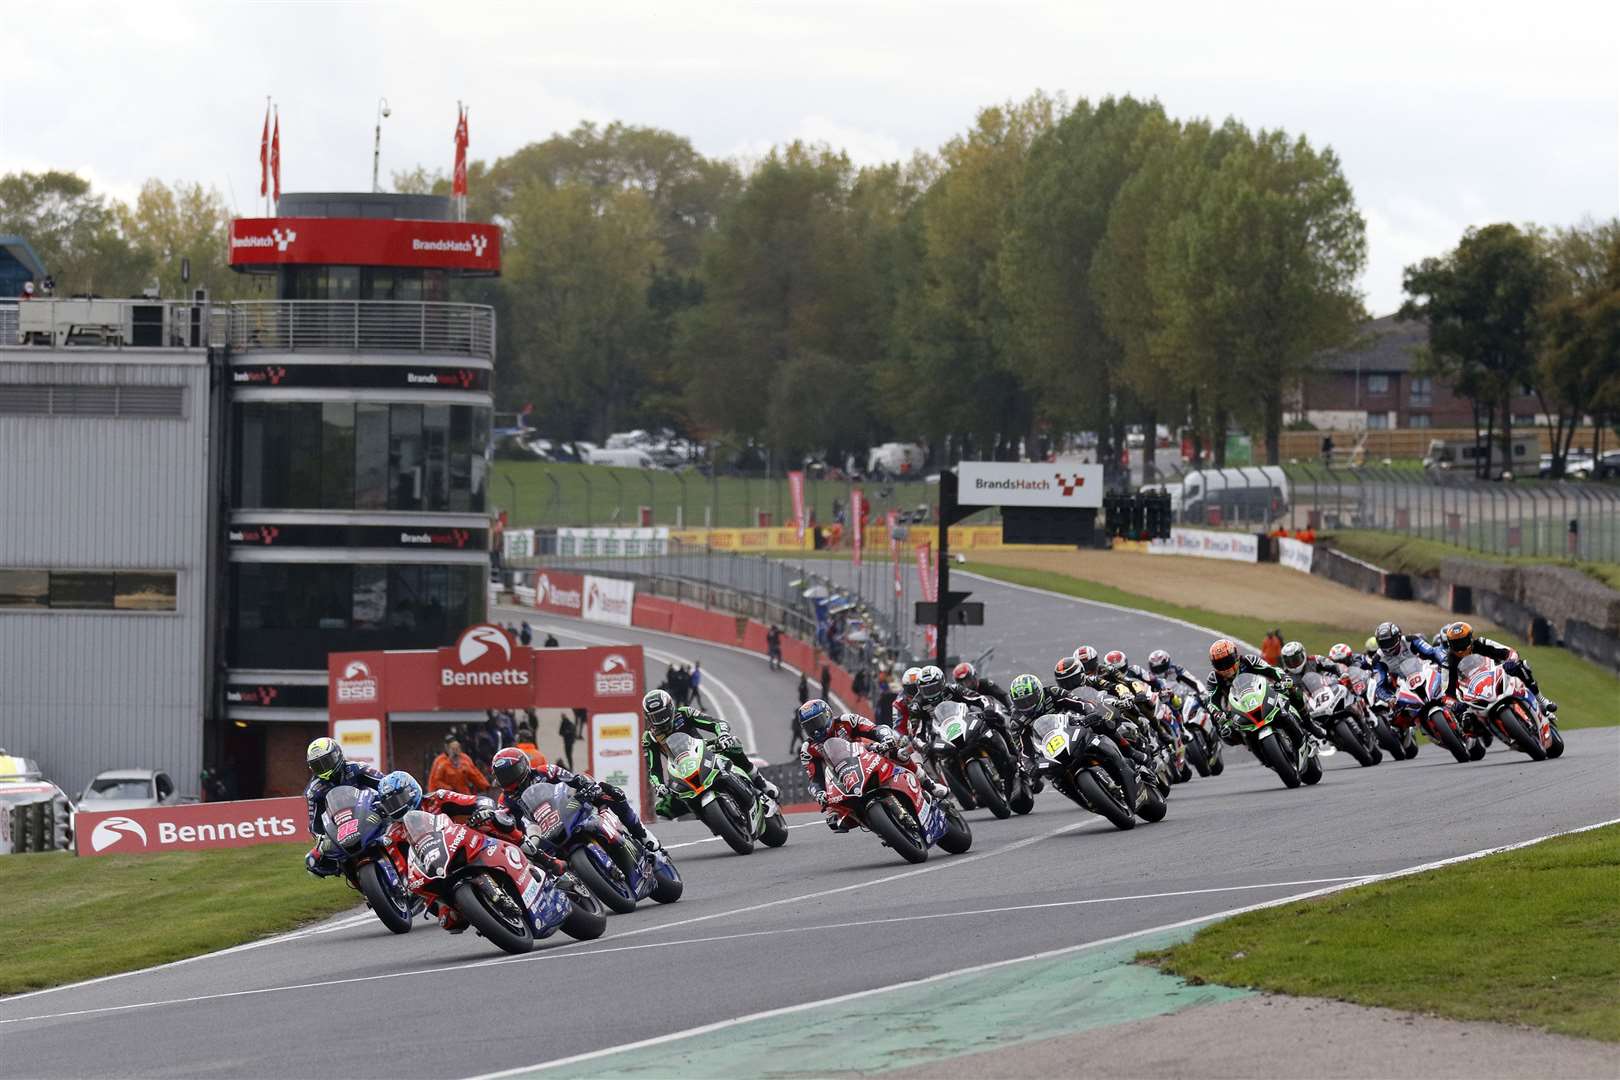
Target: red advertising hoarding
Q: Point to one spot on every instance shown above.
(446, 245)
(486, 669)
(190, 826)
(560, 593)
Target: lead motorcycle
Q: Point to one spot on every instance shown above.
(354, 831)
(1420, 698)
(708, 786)
(490, 882)
(867, 789)
(1256, 706)
(1342, 715)
(1087, 767)
(973, 754)
(1503, 703)
(598, 848)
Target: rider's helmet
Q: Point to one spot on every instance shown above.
(1459, 638)
(1114, 662)
(1371, 646)
(325, 759)
(1341, 653)
(659, 709)
(398, 794)
(815, 719)
(1027, 695)
(1086, 656)
(1223, 657)
(930, 685)
(1293, 659)
(908, 682)
(510, 767)
(964, 675)
(1388, 638)
(1158, 661)
(1068, 673)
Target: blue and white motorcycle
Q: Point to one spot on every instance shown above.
(353, 830)
(598, 848)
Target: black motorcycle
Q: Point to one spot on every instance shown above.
(971, 752)
(1087, 767)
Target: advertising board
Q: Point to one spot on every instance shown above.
(1029, 483)
(609, 600)
(1209, 544)
(190, 826)
(616, 752)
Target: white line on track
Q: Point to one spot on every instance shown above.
(722, 1025)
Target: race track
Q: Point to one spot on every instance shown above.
(825, 916)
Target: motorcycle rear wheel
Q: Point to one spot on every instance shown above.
(586, 918)
(775, 831)
(604, 888)
(880, 819)
(1275, 753)
(384, 904)
(985, 790)
(957, 837)
(721, 822)
(1100, 801)
(475, 909)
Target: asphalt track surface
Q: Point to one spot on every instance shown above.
(826, 915)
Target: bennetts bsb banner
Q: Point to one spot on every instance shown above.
(447, 245)
(190, 826)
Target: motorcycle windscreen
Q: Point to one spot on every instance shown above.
(951, 720)
(685, 754)
(844, 766)
(1248, 695)
(543, 804)
(428, 849)
(1051, 734)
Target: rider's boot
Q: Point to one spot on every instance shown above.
(765, 785)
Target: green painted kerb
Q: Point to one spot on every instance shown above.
(897, 1029)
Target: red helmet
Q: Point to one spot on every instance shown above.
(966, 676)
(1114, 661)
(510, 767)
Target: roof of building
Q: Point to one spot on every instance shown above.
(20, 250)
(1386, 344)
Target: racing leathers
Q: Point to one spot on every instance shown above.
(353, 775)
(1508, 657)
(598, 793)
(854, 727)
(1383, 685)
(711, 730)
(989, 689)
(1218, 691)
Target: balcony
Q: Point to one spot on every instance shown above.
(363, 326)
(97, 323)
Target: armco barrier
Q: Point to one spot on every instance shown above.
(190, 826)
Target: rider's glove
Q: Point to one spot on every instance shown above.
(725, 742)
(821, 799)
(590, 792)
(531, 846)
(313, 865)
(481, 817)
(660, 792)
(609, 791)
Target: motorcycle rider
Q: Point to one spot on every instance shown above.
(514, 772)
(905, 704)
(665, 718)
(1168, 675)
(819, 723)
(1392, 648)
(967, 676)
(1460, 642)
(328, 770)
(1033, 699)
(1227, 663)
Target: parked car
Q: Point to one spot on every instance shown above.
(626, 458)
(128, 789)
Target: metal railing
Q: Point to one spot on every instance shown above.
(98, 323)
(428, 328)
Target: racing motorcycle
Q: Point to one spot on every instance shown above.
(353, 833)
(1341, 714)
(597, 848)
(1087, 767)
(972, 753)
(1256, 705)
(1503, 703)
(707, 785)
(1420, 698)
(867, 789)
(1204, 746)
(1399, 743)
(495, 888)
(1167, 725)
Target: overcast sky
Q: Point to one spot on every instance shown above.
(1445, 114)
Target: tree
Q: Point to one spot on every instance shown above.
(1482, 303)
(1579, 370)
(169, 224)
(75, 232)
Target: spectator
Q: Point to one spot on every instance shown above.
(1271, 648)
(826, 683)
(551, 640)
(862, 684)
(526, 634)
(884, 713)
(694, 682)
(455, 771)
(505, 729)
(484, 741)
(804, 688)
(773, 646)
(525, 743)
(569, 730)
(796, 733)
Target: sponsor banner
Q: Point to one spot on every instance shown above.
(616, 752)
(486, 669)
(857, 521)
(560, 593)
(606, 678)
(1295, 554)
(190, 826)
(271, 695)
(289, 535)
(1014, 483)
(1208, 544)
(517, 544)
(925, 570)
(524, 595)
(795, 480)
(362, 741)
(609, 600)
(646, 540)
(450, 245)
(361, 376)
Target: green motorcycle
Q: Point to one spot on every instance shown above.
(710, 787)
(1256, 707)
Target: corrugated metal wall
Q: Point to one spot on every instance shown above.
(83, 692)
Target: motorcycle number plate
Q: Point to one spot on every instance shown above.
(547, 818)
(1055, 743)
(347, 829)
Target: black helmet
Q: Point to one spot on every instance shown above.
(815, 719)
(1068, 673)
(325, 759)
(1293, 659)
(1389, 639)
(659, 709)
(930, 685)
(510, 767)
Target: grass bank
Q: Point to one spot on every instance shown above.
(69, 918)
(1524, 937)
(1587, 695)
(1415, 555)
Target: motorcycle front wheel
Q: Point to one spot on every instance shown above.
(720, 819)
(612, 891)
(903, 835)
(1101, 801)
(774, 833)
(1347, 738)
(1196, 756)
(957, 837)
(1439, 731)
(586, 917)
(1275, 753)
(393, 911)
(506, 932)
(985, 790)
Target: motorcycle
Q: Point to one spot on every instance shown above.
(973, 753)
(867, 789)
(1204, 746)
(1420, 689)
(1339, 713)
(504, 897)
(706, 784)
(598, 849)
(1087, 767)
(1167, 725)
(1503, 703)
(1256, 705)
(353, 831)
(1399, 743)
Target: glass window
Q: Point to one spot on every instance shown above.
(141, 591)
(436, 448)
(480, 457)
(370, 597)
(1422, 390)
(406, 468)
(250, 450)
(25, 588)
(82, 590)
(1377, 384)
(302, 446)
(371, 457)
(461, 423)
(342, 283)
(1377, 421)
(1420, 420)
(337, 455)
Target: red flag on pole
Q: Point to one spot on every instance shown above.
(925, 570)
(795, 480)
(458, 182)
(275, 159)
(857, 513)
(264, 154)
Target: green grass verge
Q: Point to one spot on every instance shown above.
(1415, 555)
(1524, 937)
(1587, 695)
(69, 918)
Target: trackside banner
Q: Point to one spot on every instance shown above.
(609, 600)
(1295, 554)
(451, 245)
(190, 826)
(1208, 544)
(1029, 483)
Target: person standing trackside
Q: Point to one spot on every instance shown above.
(695, 684)
(455, 771)
(1271, 648)
(804, 688)
(526, 634)
(551, 640)
(569, 730)
(826, 682)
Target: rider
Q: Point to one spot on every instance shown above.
(328, 770)
(819, 723)
(514, 772)
(905, 704)
(1227, 663)
(1032, 699)
(1168, 675)
(1393, 647)
(968, 678)
(664, 719)
(1460, 642)
(1295, 662)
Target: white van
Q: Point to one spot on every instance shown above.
(624, 457)
(1257, 493)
